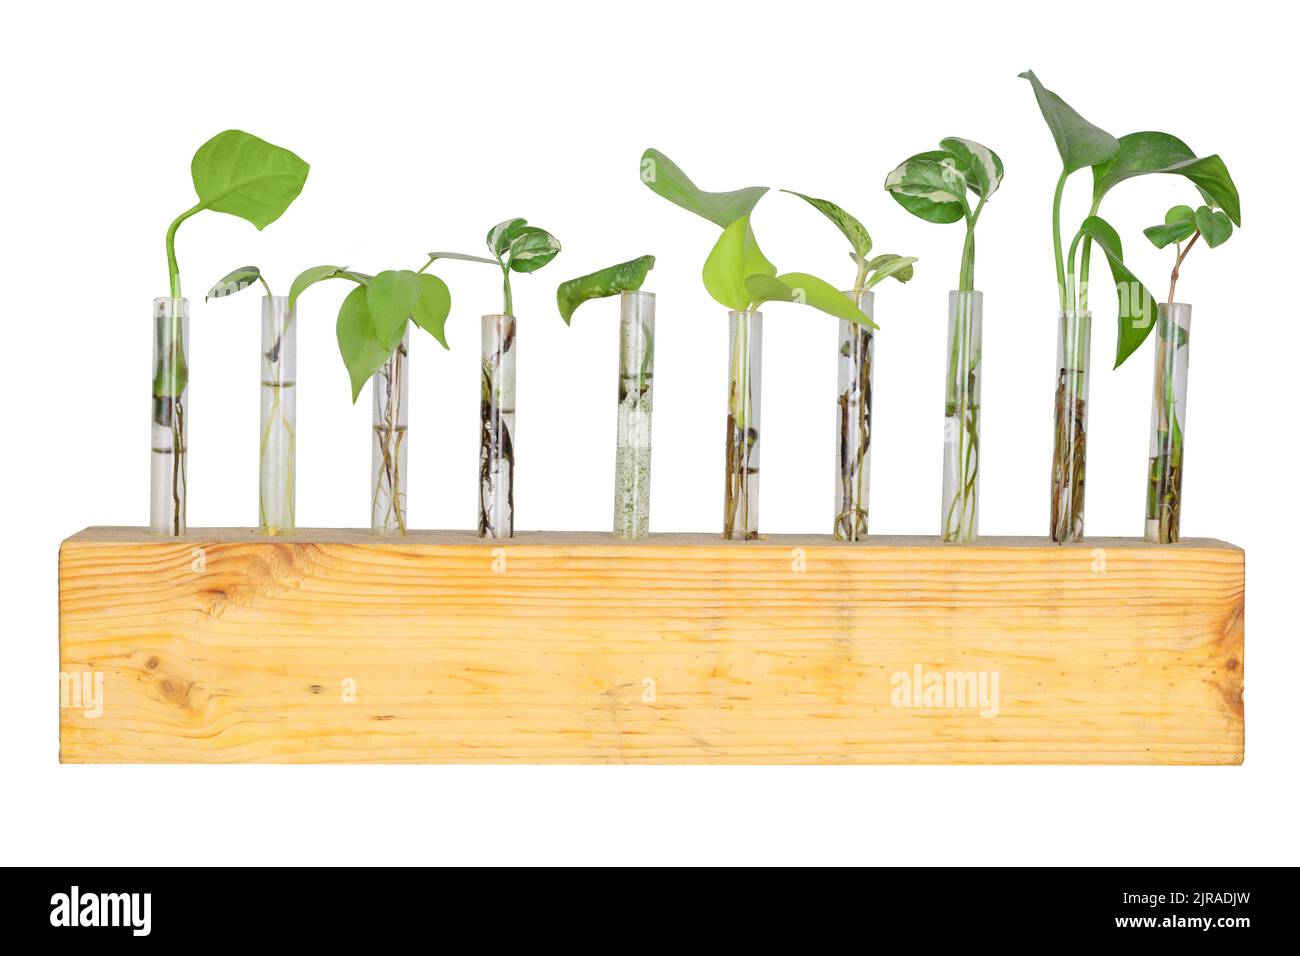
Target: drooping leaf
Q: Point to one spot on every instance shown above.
(805, 289)
(434, 256)
(531, 248)
(234, 281)
(390, 300)
(1214, 224)
(852, 230)
(1211, 177)
(363, 353)
(1153, 152)
(883, 267)
(666, 178)
(1079, 143)
(499, 236)
(1137, 307)
(238, 173)
(624, 277)
(309, 277)
(930, 185)
(981, 166)
(432, 307)
(734, 258)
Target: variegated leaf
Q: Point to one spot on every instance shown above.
(531, 248)
(235, 281)
(853, 230)
(982, 166)
(499, 236)
(883, 267)
(930, 185)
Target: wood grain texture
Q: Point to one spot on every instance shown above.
(224, 646)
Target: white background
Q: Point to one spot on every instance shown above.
(424, 125)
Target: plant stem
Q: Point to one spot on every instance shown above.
(173, 270)
(510, 305)
(1178, 263)
(1056, 237)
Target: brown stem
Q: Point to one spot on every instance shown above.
(1182, 254)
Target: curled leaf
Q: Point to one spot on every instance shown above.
(666, 178)
(624, 277)
(1137, 307)
(885, 266)
(235, 281)
(982, 166)
(309, 277)
(1079, 143)
(531, 248)
(734, 258)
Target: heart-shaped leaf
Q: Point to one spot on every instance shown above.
(624, 277)
(883, 267)
(805, 289)
(240, 174)
(235, 281)
(734, 258)
(1079, 143)
(930, 185)
(391, 298)
(432, 307)
(363, 353)
(531, 248)
(1214, 224)
(1137, 307)
(852, 230)
(666, 178)
(499, 236)
(981, 166)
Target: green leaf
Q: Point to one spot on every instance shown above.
(435, 256)
(1211, 177)
(1215, 226)
(309, 277)
(1079, 142)
(1168, 233)
(805, 289)
(1137, 307)
(1153, 152)
(1177, 214)
(240, 174)
(390, 299)
(735, 257)
(499, 236)
(359, 344)
(930, 185)
(432, 307)
(624, 277)
(531, 248)
(235, 281)
(666, 178)
(882, 267)
(852, 230)
(981, 166)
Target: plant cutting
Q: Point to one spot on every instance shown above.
(1182, 227)
(239, 174)
(515, 247)
(277, 427)
(1081, 145)
(952, 184)
(739, 277)
(636, 356)
(373, 331)
(856, 361)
